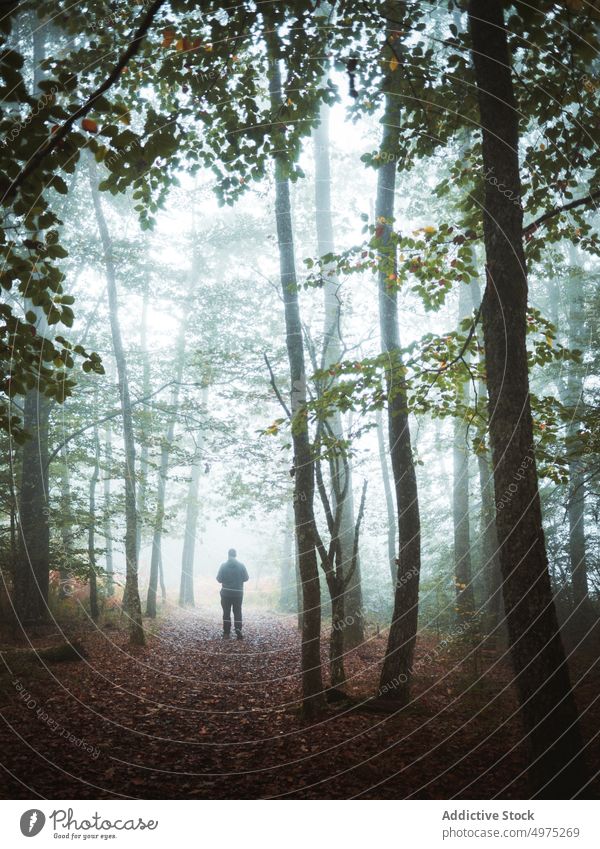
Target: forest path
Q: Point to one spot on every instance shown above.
(191, 715)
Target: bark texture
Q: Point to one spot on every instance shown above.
(303, 463)
(557, 766)
(397, 666)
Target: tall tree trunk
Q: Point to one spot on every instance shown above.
(65, 521)
(107, 524)
(303, 468)
(548, 707)
(163, 472)
(465, 597)
(144, 416)
(490, 557)
(32, 573)
(32, 565)
(131, 596)
(389, 498)
(397, 666)
(92, 528)
(572, 397)
(353, 634)
(186, 590)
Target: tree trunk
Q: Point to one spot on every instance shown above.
(299, 592)
(572, 397)
(389, 498)
(65, 522)
(144, 415)
(490, 558)
(397, 666)
(353, 634)
(286, 599)
(107, 529)
(131, 596)
(163, 472)
(303, 463)
(92, 529)
(32, 566)
(548, 707)
(339, 622)
(32, 576)
(465, 597)
(186, 589)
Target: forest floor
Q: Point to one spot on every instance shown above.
(191, 715)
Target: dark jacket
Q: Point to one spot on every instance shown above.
(232, 574)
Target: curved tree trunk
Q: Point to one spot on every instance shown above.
(303, 468)
(131, 596)
(397, 666)
(557, 768)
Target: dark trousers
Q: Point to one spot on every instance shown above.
(229, 599)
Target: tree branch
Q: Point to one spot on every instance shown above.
(275, 389)
(361, 510)
(83, 110)
(557, 210)
(106, 418)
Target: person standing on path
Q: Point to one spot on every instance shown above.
(232, 576)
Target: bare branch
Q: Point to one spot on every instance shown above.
(275, 389)
(359, 518)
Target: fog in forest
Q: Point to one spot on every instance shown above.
(316, 283)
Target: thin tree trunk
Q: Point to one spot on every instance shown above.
(286, 601)
(353, 634)
(107, 525)
(397, 666)
(92, 528)
(186, 590)
(131, 596)
(143, 417)
(465, 597)
(389, 499)
(339, 622)
(163, 472)
(557, 767)
(490, 557)
(572, 397)
(65, 521)
(303, 468)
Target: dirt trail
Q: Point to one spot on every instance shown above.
(193, 716)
